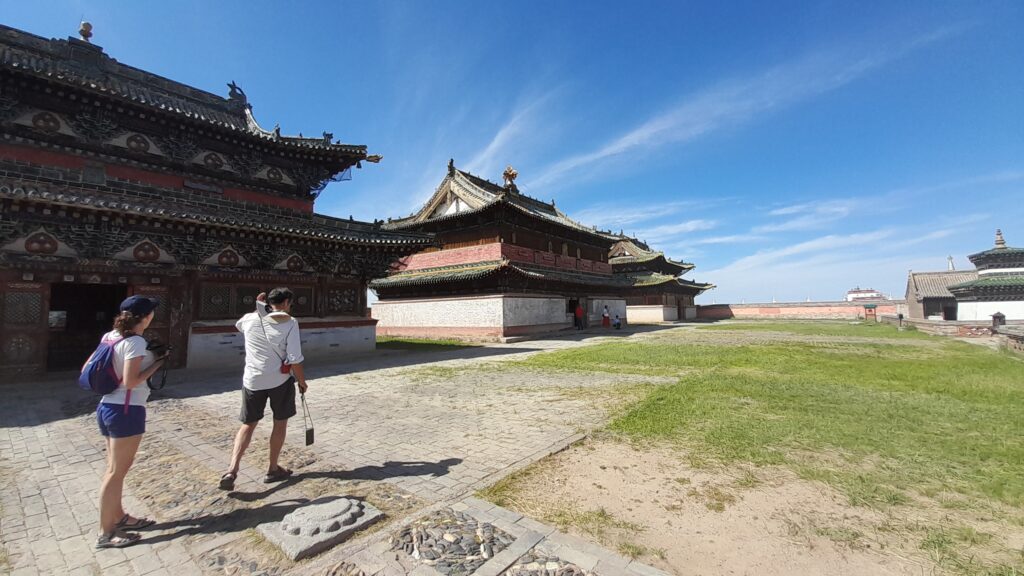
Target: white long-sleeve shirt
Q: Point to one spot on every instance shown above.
(263, 357)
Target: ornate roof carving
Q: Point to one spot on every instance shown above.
(478, 194)
(85, 67)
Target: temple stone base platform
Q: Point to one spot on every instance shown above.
(319, 525)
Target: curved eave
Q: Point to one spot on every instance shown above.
(222, 119)
(127, 208)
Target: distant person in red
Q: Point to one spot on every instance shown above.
(606, 319)
(579, 317)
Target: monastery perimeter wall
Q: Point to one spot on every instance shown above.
(838, 310)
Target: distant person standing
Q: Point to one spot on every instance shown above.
(579, 316)
(606, 318)
(273, 365)
(617, 323)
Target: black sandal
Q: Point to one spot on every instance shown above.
(227, 481)
(278, 475)
(116, 539)
(136, 524)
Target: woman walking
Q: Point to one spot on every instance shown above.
(121, 416)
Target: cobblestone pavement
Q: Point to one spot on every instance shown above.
(409, 432)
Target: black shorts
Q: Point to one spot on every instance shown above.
(282, 402)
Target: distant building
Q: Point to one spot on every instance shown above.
(995, 286)
(505, 265)
(998, 286)
(659, 294)
(928, 295)
(862, 294)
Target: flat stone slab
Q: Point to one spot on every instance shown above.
(319, 525)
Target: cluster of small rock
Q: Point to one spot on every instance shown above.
(232, 564)
(534, 563)
(452, 542)
(344, 569)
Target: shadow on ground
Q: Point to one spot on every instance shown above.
(387, 470)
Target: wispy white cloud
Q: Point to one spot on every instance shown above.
(809, 216)
(669, 231)
(521, 125)
(739, 100)
(612, 215)
(730, 239)
(831, 242)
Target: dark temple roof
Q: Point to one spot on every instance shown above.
(478, 194)
(475, 270)
(83, 66)
(315, 226)
(922, 285)
(630, 251)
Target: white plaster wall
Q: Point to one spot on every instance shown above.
(318, 344)
(533, 311)
(615, 306)
(440, 312)
(983, 311)
(652, 314)
(690, 312)
(216, 350)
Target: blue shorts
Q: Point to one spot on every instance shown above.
(116, 424)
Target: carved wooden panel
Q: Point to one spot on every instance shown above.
(22, 308)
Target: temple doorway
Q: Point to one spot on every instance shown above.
(79, 315)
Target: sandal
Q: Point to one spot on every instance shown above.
(278, 475)
(227, 481)
(136, 524)
(116, 539)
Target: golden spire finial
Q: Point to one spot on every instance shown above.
(1000, 243)
(85, 30)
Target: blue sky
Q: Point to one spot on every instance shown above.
(790, 150)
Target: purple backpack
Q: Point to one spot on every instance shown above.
(98, 374)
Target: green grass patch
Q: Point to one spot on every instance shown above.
(422, 344)
(823, 328)
(878, 421)
(597, 522)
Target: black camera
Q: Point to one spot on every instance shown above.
(158, 348)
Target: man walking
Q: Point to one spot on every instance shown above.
(273, 365)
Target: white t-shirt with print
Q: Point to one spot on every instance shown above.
(263, 358)
(131, 347)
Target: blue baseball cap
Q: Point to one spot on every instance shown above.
(139, 305)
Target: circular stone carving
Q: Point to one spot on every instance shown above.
(41, 243)
(295, 264)
(228, 258)
(216, 299)
(302, 300)
(138, 143)
(325, 517)
(213, 161)
(146, 252)
(248, 300)
(46, 122)
(274, 175)
(19, 349)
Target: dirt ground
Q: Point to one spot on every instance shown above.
(694, 521)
